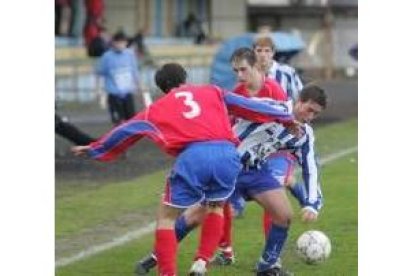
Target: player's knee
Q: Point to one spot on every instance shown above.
(283, 217)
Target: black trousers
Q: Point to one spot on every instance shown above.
(70, 132)
(121, 109)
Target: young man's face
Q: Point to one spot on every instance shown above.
(244, 71)
(264, 55)
(306, 112)
(120, 44)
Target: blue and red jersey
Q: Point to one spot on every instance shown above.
(187, 114)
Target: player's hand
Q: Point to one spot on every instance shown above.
(80, 150)
(295, 128)
(309, 214)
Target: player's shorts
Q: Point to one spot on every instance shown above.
(273, 174)
(204, 171)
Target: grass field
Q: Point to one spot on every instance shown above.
(80, 208)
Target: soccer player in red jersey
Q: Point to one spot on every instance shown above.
(190, 122)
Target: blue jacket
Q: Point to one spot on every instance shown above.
(120, 72)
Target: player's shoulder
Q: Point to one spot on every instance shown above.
(274, 89)
(271, 82)
(287, 68)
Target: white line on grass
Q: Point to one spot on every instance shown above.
(93, 250)
(136, 234)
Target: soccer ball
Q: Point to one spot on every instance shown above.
(313, 247)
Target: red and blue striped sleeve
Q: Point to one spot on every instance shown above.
(118, 140)
(257, 111)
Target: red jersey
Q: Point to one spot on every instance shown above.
(270, 89)
(187, 114)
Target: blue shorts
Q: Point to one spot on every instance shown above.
(271, 175)
(204, 171)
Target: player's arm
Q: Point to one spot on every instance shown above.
(309, 192)
(257, 111)
(119, 139)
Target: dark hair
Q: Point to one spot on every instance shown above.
(244, 54)
(119, 36)
(169, 76)
(315, 93)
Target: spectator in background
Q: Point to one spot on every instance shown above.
(94, 19)
(194, 28)
(98, 45)
(77, 14)
(119, 68)
(283, 74)
(137, 42)
(59, 4)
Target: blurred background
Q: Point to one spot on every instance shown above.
(317, 37)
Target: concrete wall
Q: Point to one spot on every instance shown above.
(158, 17)
(121, 13)
(228, 18)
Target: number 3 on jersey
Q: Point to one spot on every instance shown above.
(189, 101)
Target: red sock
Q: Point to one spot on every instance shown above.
(211, 232)
(267, 223)
(166, 252)
(225, 240)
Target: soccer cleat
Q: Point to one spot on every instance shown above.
(145, 265)
(278, 263)
(199, 268)
(223, 258)
(274, 271)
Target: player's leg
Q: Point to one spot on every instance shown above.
(220, 186)
(210, 234)
(225, 254)
(165, 240)
(183, 189)
(282, 167)
(184, 224)
(238, 205)
(276, 203)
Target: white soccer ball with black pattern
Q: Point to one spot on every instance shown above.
(313, 247)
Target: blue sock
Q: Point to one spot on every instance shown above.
(298, 191)
(181, 228)
(273, 247)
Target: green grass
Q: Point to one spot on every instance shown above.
(338, 220)
(85, 206)
(79, 207)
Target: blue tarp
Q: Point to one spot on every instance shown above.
(287, 45)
